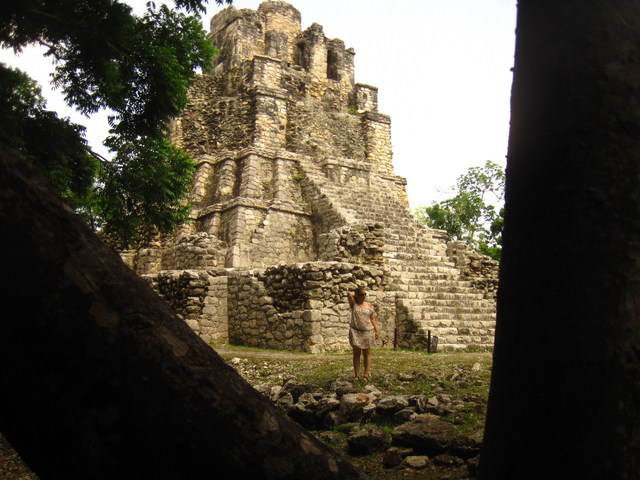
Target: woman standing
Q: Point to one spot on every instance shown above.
(363, 331)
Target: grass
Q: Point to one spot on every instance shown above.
(464, 377)
(461, 377)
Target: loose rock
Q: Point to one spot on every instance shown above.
(417, 461)
(426, 433)
(367, 440)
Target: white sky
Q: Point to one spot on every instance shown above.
(442, 68)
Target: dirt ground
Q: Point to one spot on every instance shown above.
(460, 378)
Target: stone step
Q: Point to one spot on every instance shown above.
(447, 315)
(464, 294)
(421, 273)
(435, 290)
(471, 346)
(407, 262)
(451, 316)
(426, 277)
(456, 291)
(442, 332)
(438, 288)
(449, 342)
(461, 327)
(446, 299)
(435, 312)
(473, 337)
(425, 287)
(430, 291)
(463, 307)
(436, 317)
(446, 334)
(410, 246)
(433, 261)
(458, 324)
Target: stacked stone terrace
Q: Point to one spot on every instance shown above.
(295, 201)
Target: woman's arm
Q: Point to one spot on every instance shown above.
(372, 317)
(351, 299)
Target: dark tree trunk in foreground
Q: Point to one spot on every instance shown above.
(99, 380)
(565, 392)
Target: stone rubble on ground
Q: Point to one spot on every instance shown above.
(419, 438)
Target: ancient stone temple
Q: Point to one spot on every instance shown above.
(295, 201)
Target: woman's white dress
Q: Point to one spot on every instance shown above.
(361, 331)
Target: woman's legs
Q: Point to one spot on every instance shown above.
(366, 352)
(356, 360)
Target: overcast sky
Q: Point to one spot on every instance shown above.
(442, 67)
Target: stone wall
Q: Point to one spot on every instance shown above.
(199, 297)
(216, 120)
(481, 270)
(356, 243)
(304, 306)
(377, 132)
(198, 250)
(312, 130)
(299, 306)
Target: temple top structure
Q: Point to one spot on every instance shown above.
(274, 30)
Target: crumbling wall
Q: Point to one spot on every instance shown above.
(304, 306)
(282, 236)
(314, 131)
(189, 251)
(356, 243)
(481, 270)
(199, 298)
(214, 120)
(301, 306)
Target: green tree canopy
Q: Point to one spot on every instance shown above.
(471, 214)
(55, 144)
(136, 67)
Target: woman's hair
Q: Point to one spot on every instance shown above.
(359, 291)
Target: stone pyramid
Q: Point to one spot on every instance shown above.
(295, 201)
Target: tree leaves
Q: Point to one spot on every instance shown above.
(468, 215)
(136, 67)
(56, 146)
(142, 187)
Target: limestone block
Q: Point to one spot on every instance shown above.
(312, 316)
(194, 324)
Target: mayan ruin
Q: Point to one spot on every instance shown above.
(295, 202)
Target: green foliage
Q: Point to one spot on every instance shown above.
(467, 420)
(137, 67)
(469, 215)
(56, 146)
(141, 190)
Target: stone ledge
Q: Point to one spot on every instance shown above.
(252, 203)
(376, 117)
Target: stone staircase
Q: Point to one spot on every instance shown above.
(432, 296)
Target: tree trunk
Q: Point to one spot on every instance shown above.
(100, 380)
(565, 390)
